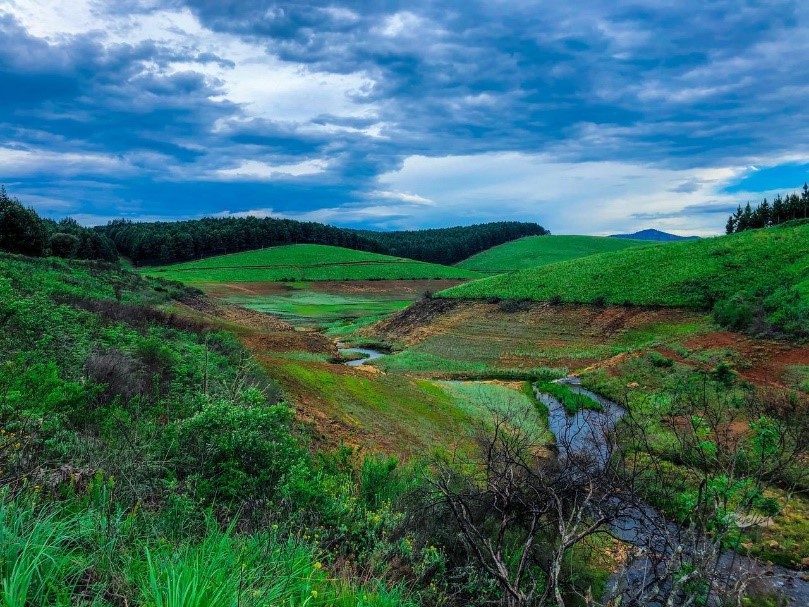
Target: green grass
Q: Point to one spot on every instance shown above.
(798, 376)
(571, 401)
(766, 268)
(37, 561)
(306, 307)
(424, 363)
(535, 251)
(304, 262)
(484, 401)
(401, 414)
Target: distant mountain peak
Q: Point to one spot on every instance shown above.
(655, 235)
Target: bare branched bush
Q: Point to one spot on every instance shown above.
(122, 376)
(680, 490)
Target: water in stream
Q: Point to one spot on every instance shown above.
(587, 431)
(367, 353)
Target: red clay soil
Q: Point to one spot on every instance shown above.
(766, 362)
(326, 429)
(395, 289)
(260, 332)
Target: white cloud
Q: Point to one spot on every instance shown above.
(377, 215)
(572, 198)
(401, 196)
(24, 162)
(265, 85)
(260, 213)
(254, 169)
(402, 23)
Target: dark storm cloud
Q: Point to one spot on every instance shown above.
(495, 75)
(693, 84)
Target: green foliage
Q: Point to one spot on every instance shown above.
(21, 229)
(451, 245)
(36, 555)
(67, 239)
(96, 384)
(735, 313)
(571, 401)
(792, 207)
(535, 251)
(167, 242)
(63, 245)
(382, 480)
(660, 361)
(305, 262)
(230, 451)
(723, 374)
(738, 275)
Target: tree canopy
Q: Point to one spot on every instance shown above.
(782, 209)
(168, 242)
(22, 231)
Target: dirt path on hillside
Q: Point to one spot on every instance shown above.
(260, 332)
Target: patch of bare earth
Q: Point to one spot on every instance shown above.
(260, 332)
(427, 318)
(765, 362)
(395, 289)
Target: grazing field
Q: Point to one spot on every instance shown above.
(304, 262)
(398, 413)
(483, 400)
(335, 307)
(755, 273)
(457, 339)
(535, 251)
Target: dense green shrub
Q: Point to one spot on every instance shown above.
(735, 313)
(233, 451)
(128, 429)
(21, 229)
(660, 361)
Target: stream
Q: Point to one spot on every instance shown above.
(368, 354)
(587, 432)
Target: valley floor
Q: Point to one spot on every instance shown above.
(401, 403)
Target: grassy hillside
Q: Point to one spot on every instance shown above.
(131, 440)
(748, 277)
(535, 251)
(304, 262)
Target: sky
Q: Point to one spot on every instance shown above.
(587, 117)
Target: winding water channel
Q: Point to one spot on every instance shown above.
(587, 432)
(367, 354)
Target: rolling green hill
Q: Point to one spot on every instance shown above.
(742, 277)
(534, 251)
(305, 262)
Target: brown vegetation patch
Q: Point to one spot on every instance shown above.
(260, 332)
(417, 322)
(766, 362)
(235, 314)
(434, 316)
